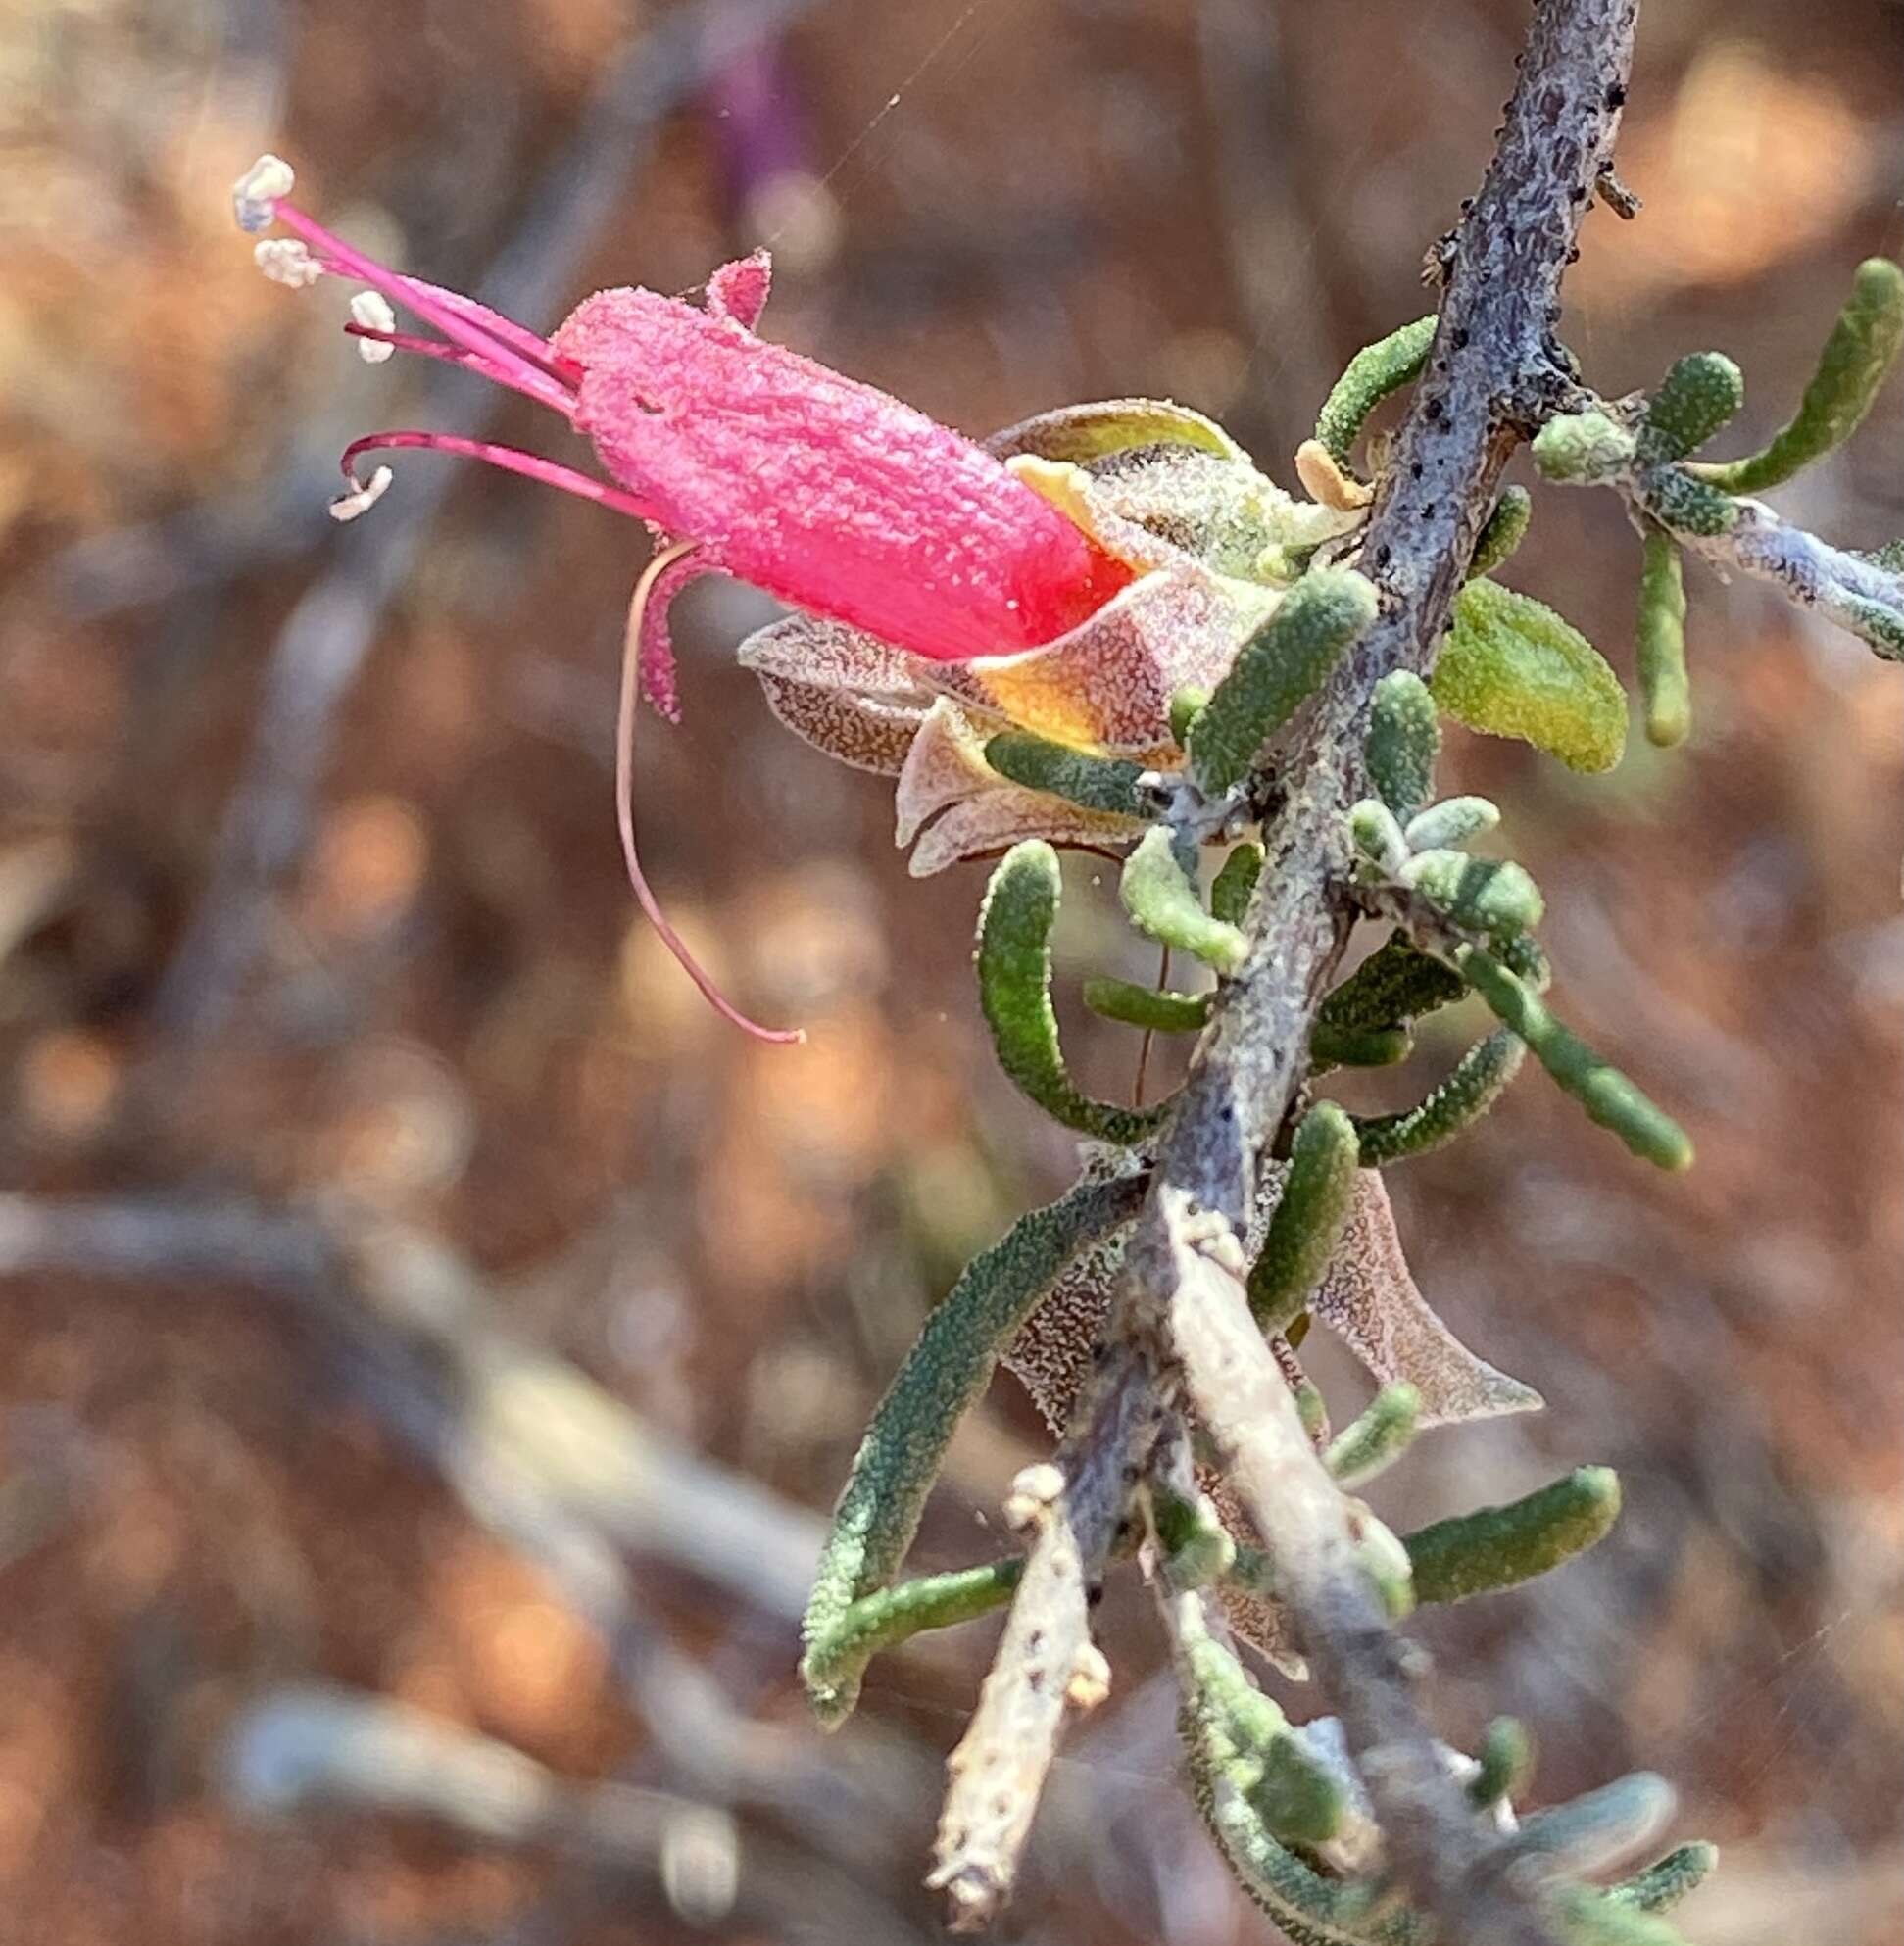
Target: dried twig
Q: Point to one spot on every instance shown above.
(304, 1747)
(1074, 1508)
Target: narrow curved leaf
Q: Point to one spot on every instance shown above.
(1607, 1096)
(1499, 1547)
(1367, 380)
(1318, 1193)
(1164, 905)
(1856, 357)
(1281, 664)
(1660, 642)
(948, 1366)
(1014, 979)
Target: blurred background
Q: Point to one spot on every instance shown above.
(429, 1338)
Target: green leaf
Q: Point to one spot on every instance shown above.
(1588, 1917)
(1505, 530)
(1478, 1080)
(1163, 906)
(1014, 979)
(949, 1365)
(1701, 393)
(1664, 689)
(1310, 1219)
(1857, 355)
(1359, 1048)
(1494, 896)
(1095, 782)
(1512, 668)
(1403, 742)
(1132, 1005)
(1279, 666)
(838, 1660)
(1124, 1001)
(1185, 705)
(1607, 1095)
(1369, 378)
(1667, 1881)
(1596, 1830)
(1583, 449)
(1372, 1442)
(1396, 983)
(1376, 833)
(1506, 1760)
(1499, 1547)
(1451, 822)
(1241, 1735)
(1197, 1547)
(1235, 884)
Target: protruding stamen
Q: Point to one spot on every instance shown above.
(532, 465)
(624, 805)
(287, 261)
(544, 391)
(363, 495)
(255, 194)
(371, 309)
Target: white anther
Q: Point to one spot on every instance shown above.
(285, 261)
(348, 506)
(255, 194)
(371, 309)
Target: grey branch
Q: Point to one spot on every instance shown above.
(1493, 371)
(1860, 592)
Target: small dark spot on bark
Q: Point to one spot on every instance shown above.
(1459, 338)
(1001, 1803)
(1034, 1681)
(1616, 94)
(1381, 561)
(1033, 1639)
(1415, 470)
(1094, 1595)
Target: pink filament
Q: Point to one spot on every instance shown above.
(624, 805)
(452, 320)
(532, 465)
(544, 391)
(498, 326)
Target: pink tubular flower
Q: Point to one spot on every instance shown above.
(740, 456)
